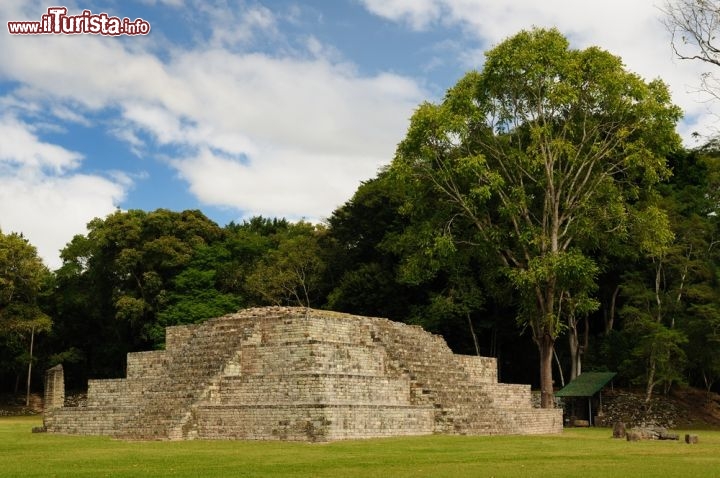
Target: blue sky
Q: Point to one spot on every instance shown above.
(239, 108)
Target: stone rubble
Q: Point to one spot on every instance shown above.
(632, 410)
(650, 433)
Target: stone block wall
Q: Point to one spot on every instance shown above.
(178, 335)
(320, 357)
(146, 364)
(310, 389)
(320, 422)
(509, 396)
(479, 369)
(302, 374)
(109, 393)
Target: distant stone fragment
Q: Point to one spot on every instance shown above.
(651, 433)
(54, 388)
(691, 439)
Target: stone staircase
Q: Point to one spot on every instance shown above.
(463, 403)
(187, 373)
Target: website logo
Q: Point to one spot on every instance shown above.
(57, 22)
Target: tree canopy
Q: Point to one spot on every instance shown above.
(537, 158)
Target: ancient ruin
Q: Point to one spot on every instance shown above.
(300, 374)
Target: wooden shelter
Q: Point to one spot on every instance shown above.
(584, 388)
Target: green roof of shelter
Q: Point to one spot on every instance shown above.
(586, 384)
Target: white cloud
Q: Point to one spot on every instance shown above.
(300, 104)
(288, 135)
(267, 188)
(419, 14)
(165, 126)
(20, 148)
(63, 112)
(311, 104)
(124, 131)
(322, 51)
(308, 131)
(236, 25)
(41, 195)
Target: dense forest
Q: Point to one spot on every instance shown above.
(544, 213)
(136, 272)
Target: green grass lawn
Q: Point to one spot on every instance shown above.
(577, 452)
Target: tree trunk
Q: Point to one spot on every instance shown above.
(559, 367)
(653, 362)
(650, 382)
(708, 383)
(32, 342)
(610, 314)
(545, 347)
(474, 337)
(574, 343)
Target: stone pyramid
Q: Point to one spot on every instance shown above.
(281, 373)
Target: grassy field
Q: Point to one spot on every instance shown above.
(577, 452)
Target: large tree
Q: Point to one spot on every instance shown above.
(291, 274)
(23, 277)
(536, 159)
(132, 274)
